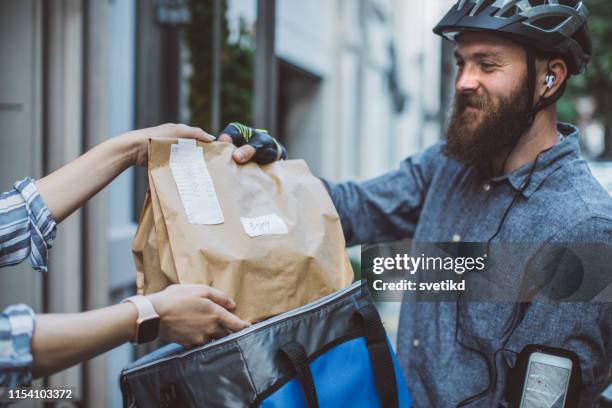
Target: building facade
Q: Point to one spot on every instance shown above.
(351, 86)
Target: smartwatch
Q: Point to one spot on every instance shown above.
(147, 325)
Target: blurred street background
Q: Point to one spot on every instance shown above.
(351, 86)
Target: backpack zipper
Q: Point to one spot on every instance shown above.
(256, 327)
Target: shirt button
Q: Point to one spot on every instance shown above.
(416, 343)
(456, 238)
(486, 187)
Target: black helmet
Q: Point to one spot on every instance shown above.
(552, 27)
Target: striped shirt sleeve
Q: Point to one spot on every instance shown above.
(27, 228)
(16, 330)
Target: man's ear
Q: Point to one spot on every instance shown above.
(552, 74)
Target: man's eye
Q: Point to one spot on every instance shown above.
(486, 66)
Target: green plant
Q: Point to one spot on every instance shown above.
(597, 82)
(237, 59)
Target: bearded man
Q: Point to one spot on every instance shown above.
(506, 171)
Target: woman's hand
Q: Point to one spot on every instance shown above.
(192, 314)
(69, 187)
(137, 141)
(189, 314)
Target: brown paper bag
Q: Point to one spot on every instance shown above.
(267, 274)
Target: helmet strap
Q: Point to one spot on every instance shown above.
(531, 83)
(543, 102)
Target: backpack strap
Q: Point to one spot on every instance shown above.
(380, 355)
(298, 359)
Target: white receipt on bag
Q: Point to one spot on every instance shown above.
(195, 186)
(270, 224)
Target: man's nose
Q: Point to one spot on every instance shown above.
(467, 81)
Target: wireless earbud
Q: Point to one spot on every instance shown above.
(550, 80)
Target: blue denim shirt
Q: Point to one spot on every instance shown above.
(432, 198)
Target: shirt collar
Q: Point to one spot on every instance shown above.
(550, 161)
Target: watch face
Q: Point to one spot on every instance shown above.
(148, 330)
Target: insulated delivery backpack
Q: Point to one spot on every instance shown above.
(332, 352)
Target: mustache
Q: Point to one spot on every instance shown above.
(463, 101)
(470, 141)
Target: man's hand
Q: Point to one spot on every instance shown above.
(253, 144)
(192, 314)
(138, 140)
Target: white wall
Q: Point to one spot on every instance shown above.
(421, 65)
(361, 135)
(121, 227)
(304, 34)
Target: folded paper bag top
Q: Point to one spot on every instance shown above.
(269, 236)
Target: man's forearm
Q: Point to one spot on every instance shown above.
(69, 187)
(62, 340)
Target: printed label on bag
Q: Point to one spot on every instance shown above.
(270, 224)
(195, 186)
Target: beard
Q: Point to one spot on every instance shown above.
(478, 137)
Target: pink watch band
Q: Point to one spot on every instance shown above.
(147, 324)
(143, 305)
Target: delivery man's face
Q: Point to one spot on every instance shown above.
(490, 99)
(489, 70)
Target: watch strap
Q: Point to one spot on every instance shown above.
(143, 305)
(146, 311)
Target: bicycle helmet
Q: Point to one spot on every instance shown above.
(546, 27)
(550, 26)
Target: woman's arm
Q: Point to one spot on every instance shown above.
(189, 315)
(62, 340)
(69, 187)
